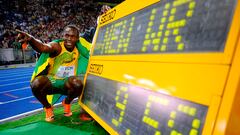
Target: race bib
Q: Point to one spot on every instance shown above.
(65, 71)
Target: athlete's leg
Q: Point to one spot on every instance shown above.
(73, 86)
(41, 87)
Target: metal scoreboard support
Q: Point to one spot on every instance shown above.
(168, 67)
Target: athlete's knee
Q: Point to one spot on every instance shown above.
(40, 83)
(74, 84)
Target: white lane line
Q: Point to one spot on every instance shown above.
(15, 69)
(25, 114)
(15, 100)
(10, 95)
(14, 73)
(15, 90)
(13, 83)
(20, 115)
(15, 78)
(11, 76)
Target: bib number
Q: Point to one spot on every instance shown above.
(65, 71)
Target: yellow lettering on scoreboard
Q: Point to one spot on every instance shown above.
(96, 68)
(107, 17)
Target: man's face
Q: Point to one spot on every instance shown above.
(70, 37)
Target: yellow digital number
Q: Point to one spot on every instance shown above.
(118, 32)
(146, 118)
(180, 109)
(120, 105)
(168, 27)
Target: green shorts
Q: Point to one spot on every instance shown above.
(58, 85)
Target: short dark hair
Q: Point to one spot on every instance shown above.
(74, 27)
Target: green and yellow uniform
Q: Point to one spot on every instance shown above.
(66, 64)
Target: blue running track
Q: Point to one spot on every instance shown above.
(16, 98)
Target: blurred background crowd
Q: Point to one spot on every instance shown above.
(44, 19)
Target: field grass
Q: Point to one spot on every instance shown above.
(60, 125)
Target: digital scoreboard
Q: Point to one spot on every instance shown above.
(167, 67)
(135, 110)
(168, 26)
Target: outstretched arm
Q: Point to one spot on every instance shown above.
(52, 47)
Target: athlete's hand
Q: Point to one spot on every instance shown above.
(23, 36)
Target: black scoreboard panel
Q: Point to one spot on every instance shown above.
(129, 109)
(169, 26)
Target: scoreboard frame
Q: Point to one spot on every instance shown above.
(225, 61)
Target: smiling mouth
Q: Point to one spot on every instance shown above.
(68, 42)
